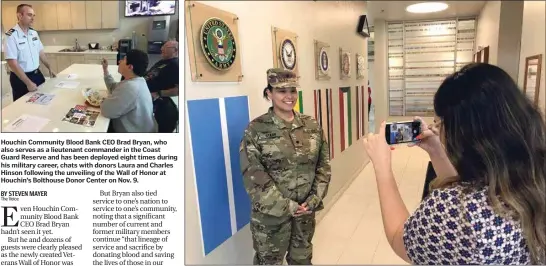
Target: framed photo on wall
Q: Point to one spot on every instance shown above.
(531, 81)
(485, 55)
(482, 56)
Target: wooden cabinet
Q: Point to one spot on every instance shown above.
(93, 14)
(63, 62)
(64, 18)
(97, 59)
(110, 14)
(78, 15)
(60, 62)
(77, 59)
(39, 16)
(52, 59)
(9, 15)
(66, 15)
(50, 17)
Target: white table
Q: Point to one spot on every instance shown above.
(89, 76)
(5, 92)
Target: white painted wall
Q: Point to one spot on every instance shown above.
(488, 29)
(333, 22)
(510, 26)
(499, 27)
(380, 73)
(533, 43)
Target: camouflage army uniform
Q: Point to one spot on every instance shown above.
(284, 165)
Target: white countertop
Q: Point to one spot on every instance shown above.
(89, 76)
(55, 49)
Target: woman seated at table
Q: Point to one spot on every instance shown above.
(129, 103)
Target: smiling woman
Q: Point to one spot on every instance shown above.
(278, 149)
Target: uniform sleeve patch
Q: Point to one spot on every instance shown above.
(35, 38)
(9, 32)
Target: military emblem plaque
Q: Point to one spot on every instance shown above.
(288, 54)
(360, 70)
(345, 64)
(324, 64)
(322, 61)
(218, 44)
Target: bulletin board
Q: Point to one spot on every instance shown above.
(217, 59)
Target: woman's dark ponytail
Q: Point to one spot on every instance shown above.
(268, 88)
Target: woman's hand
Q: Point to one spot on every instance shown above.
(104, 64)
(377, 148)
(429, 139)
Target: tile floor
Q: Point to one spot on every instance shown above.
(352, 231)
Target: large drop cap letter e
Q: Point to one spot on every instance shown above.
(6, 216)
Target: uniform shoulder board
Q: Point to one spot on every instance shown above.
(9, 32)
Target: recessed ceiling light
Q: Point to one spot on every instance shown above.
(427, 7)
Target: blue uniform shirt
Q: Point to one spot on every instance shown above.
(25, 48)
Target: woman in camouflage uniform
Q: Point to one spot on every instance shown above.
(286, 171)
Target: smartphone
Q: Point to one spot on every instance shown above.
(402, 132)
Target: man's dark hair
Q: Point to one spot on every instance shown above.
(139, 60)
(21, 6)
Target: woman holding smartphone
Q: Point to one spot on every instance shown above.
(488, 202)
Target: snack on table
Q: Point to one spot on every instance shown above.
(93, 97)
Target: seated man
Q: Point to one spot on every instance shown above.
(163, 80)
(129, 103)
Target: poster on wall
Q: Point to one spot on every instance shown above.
(216, 127)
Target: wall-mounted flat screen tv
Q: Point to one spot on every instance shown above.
(149, 8)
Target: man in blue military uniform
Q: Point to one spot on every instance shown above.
(23, 53)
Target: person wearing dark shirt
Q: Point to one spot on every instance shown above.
(163, 79)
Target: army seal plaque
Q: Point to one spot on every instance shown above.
(288, 54)
(218, 44)
(323, 61)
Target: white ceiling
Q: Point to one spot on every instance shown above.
(396, 10)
